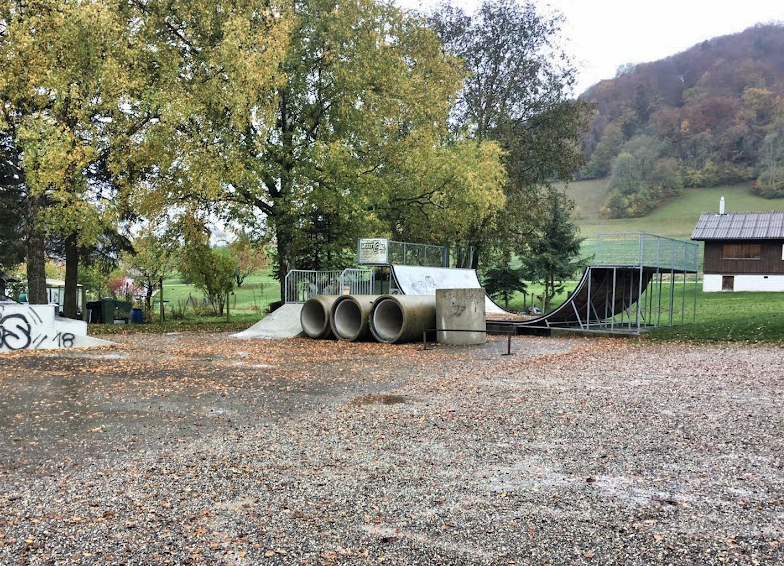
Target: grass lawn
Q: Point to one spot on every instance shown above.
(191, 323)
(721, 317)
(255, 295)
(675, 219)
(730, 317)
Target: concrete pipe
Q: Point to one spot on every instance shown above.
(349, 317)
(402, 318)
(314, 317)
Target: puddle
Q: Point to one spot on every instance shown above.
(380, 400)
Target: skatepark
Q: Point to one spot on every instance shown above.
(634, 282)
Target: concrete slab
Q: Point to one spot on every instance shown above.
(421, 280)
(283, 323)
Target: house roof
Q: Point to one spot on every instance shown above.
(740, 226)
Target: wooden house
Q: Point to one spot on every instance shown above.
(744, 251)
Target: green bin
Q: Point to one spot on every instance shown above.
(108, 308)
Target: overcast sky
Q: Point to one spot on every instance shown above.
(603, 34)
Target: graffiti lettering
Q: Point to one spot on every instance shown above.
(18, 333)
(15, 332)
(64, 339)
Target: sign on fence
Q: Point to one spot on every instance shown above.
(373, 251)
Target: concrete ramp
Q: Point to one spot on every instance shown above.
(282, 323)
(419, 280)
(37, 327)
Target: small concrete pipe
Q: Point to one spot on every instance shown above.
(402, 318)
(315, 314)
(350, 317)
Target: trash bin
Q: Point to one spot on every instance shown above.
(123, 311)
(94, 312)
(108, 308)
(137, 316)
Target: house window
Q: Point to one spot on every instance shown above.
(742, 251)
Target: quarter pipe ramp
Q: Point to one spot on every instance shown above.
(420, 280)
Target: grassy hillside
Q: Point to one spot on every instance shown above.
(675, 219)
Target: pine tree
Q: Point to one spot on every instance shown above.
(554, 255)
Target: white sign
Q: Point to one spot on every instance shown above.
(373, 251)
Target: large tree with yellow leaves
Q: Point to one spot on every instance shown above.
(349, 139)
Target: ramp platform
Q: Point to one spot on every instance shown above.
(282, 323)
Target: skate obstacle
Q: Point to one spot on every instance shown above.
(37, 327)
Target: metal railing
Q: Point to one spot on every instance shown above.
(648, 250)
(302, 284)
(405, 253)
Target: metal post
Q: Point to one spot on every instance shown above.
(508, 345)
(672, 292)
(639, 297)
(588, 302)
(160, 299)
(606, 293)
(658, 299)
(683, 299)
(696, 290)
(612, 320)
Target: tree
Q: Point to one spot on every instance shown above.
(552, 257)
(346, 117)
(63, 84)
(770, 183)
(250, 257)
(209, 270)
(150, 261)
(502, 280)
(517, 94)
(11, 206)
(642, 177)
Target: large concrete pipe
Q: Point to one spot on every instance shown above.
(459, 311)
(402, 318)
(314, 317)
(350, 316)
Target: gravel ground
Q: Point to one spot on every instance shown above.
(200, 449)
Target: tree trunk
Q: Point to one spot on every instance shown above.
(70, 302)
(148, 297)
(285, 259)
(36, 258)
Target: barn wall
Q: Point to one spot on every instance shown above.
(770, 261)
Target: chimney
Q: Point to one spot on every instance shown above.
(721, 206)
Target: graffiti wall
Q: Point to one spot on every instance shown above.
(36, 327)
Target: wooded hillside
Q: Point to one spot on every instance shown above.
(711, 115)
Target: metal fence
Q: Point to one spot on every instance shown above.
(404, 253)
(303, 284)
(647, 250)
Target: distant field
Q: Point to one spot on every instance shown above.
(675, 219)
(253, 297)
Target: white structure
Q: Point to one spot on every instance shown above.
(712, 282)
(37, 327)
